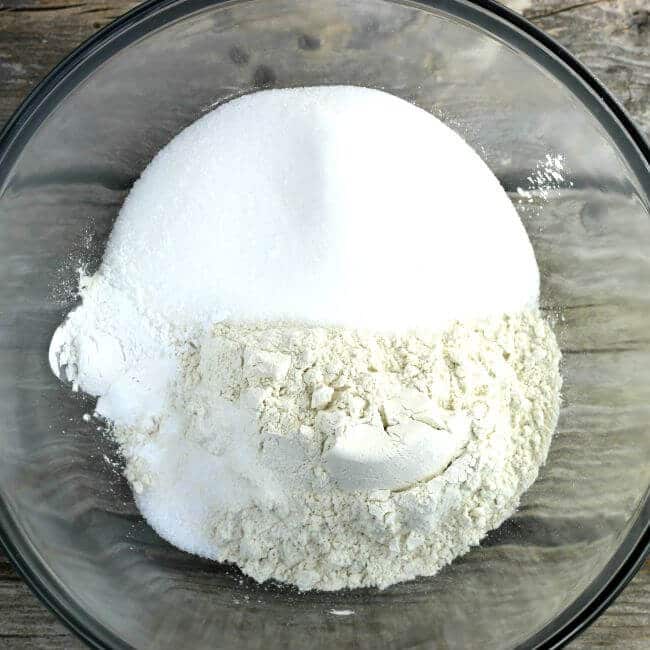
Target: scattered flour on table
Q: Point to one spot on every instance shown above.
(320, 353)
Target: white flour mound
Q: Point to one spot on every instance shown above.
(222, 336)
(294, 433)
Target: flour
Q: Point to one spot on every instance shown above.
(315, 338)
(272, 403)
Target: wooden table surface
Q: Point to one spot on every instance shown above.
(612, 37)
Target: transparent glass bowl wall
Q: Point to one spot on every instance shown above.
(67, 165)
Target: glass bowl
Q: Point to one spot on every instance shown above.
(67, 160)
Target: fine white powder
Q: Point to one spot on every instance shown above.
(296, 452)
(314, 332)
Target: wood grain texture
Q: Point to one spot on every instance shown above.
(24, 621)
(612, 37)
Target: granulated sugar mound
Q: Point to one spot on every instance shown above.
(315, 330)
(328, 205)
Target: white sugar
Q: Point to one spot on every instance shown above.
(329, 204)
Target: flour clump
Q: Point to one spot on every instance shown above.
(322, 367)
(483, 395)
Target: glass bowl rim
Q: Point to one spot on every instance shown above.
(33, 569)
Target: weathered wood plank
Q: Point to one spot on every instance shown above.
(626, 624)
(24, 621)
(612, 37)
(36, 34)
